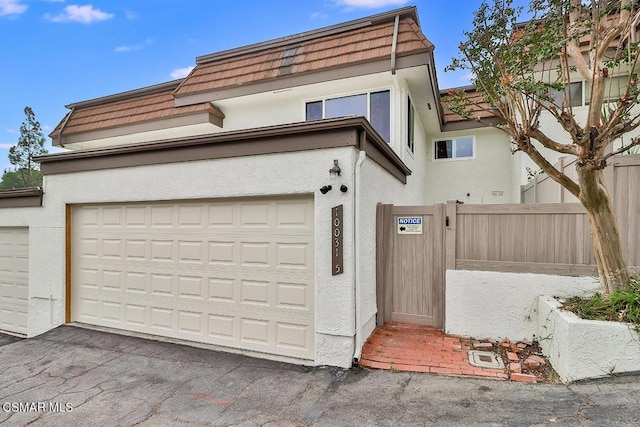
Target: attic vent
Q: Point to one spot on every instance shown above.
(288, 57)
(497, 193)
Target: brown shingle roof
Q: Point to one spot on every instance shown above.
(127, 110)
(353, 46)
(482, 109)
(356, 42)
(482, 112)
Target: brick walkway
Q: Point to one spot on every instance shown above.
(417, 348)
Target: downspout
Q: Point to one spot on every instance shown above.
(356, 245)
(394, 45)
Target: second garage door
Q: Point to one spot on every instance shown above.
(14, 273)
(237, 273)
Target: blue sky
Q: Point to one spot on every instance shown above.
(57, 52)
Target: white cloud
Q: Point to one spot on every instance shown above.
(12, 7)
(135, 47)
(181, 72)
(5, 146)
(319, 15)
(370, 4)
(83, 14)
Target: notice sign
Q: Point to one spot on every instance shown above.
(336, 241)
(410, 225)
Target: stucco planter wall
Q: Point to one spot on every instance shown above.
(491, 304)
(580, 349)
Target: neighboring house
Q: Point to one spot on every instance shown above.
(237, 207)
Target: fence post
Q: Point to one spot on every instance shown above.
(451, 212)
(560, 187)
(384, 266)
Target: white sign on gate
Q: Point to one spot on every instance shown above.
(410, 225)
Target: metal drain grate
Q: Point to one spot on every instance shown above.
(485, 359)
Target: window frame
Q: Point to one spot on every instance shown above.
(411, 127)
(366, 92)
(453, 148)
(567, 89)
(609, 98)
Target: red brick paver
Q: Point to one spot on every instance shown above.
(417, 348)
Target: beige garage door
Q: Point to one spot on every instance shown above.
(14, 274)
(236, 273)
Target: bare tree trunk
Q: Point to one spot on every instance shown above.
(607, 247)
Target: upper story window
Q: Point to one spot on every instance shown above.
(375, 106)
(580, 93)
(572, 93)
(454, 148)
(614, 88)
(411, 116)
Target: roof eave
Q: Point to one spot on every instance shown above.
(225, 144)
(212, 116)
(123, 96)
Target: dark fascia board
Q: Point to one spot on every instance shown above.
(321, 134)
(21, 198)
(471, 124)
(310, 35)
(136, 93)
(468, 88)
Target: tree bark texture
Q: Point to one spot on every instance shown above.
(607, 246)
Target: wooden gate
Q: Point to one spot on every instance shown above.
(411, 264)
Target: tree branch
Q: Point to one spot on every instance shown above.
(634, 143)
(549, 143)
(548, 168)
(573, 42)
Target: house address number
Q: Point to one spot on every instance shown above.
(337, 266)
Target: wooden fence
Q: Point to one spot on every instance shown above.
(544, 238)
(623, 172)
(534, 238)
(623, 181)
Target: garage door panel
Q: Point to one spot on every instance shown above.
(255, 215)
(192, 252)
(293, 295)
(292, 336)
(294, 215)
(14, 279)
(135, 217)
(237, 274)
(223, 216)
(162, 217)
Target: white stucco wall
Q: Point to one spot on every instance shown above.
(473, 180)
(288, 106)
(580, 349)
(487, 304)
(46, 241)
(377, 186)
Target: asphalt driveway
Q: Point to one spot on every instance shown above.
(77, 377)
